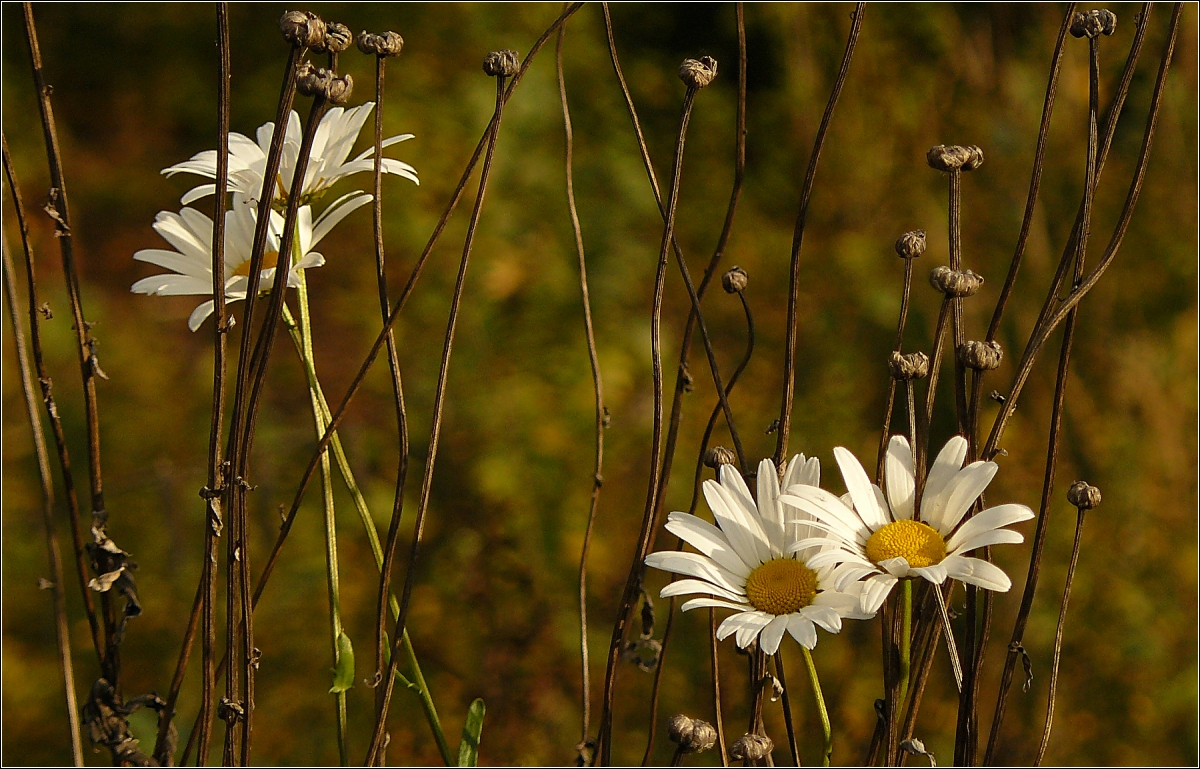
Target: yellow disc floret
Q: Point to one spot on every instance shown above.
(916, 542)
(781, 586)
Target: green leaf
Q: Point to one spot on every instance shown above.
(468, 749)
(343, 674)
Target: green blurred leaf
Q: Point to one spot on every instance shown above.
(468, 749)
(343, 674)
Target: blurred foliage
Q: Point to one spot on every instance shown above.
(494, 612)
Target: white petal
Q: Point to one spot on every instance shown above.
(772, 634)
(741, 525)
(898, 477)
(198, 193)
(748, 632)
(708, 539)
(692, 565)
(802, 630)
(986, 538)
(875, 591)
(976, 571)
(370, 151)
(897, 567)
(171, 260)
(824, 616)
(962, 492)
(847, 574)
(704, 603)
(693, 586)
(866, 504)
(736, 621)
(337, 211)
(200, 314)
(735, 485)
(992, 518)
(947, 464)
(935, 573)
(826, 507)
(769, 509)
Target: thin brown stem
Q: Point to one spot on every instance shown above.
(598, 387)
(374, 750)
(56, 427)
(891, 396)
(61, 630)
(719, 721)
(1058, 638)
(789, 359)
(637, 566)
(787, 709)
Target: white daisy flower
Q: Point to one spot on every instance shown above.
(878, 537)
(336, 134)
(190, 233)
(748, 562)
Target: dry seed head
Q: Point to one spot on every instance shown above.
(914, 365)
(387, 44)
(948, 157)
(981, 356)
(734, 280)
(691, 734)
(751, 747)
(302, 28)
(501, 63)
(338, 38)
(719, 455)
(911, 244)
(1092, 24)
(698, 73)
(1083, 495)
(955, 283)
(975, 160)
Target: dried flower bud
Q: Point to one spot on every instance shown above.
(302, 28)
(954, 283)
(734, 280)
(948, 157)
(387, 44)
(915, 365)
(1083, 495)
(691, 734)
(751, 747)
(910, 245)
(339, 89)
(501, 63)
(698, 73)
(311, 81)
(975, 160)
(338, 38)
(980, 356)
(719, 455)
(1093, 23)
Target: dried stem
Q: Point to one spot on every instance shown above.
(88, 364)
(637, 567)
(1058, 635)
(719, 721)
(56, 427)
(789, 360)
(62, 633)
(598, 386)
(374, 752)
(891, 396)
(787, 709)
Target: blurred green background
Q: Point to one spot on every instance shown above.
(494, 613)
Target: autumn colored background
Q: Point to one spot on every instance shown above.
(494, 613)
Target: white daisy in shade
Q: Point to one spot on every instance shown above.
(190, 233)
(336, 134)
(877, 535)
(748, 563)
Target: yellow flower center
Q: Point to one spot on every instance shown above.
(270, 259)
(914, 541)
(781, 586)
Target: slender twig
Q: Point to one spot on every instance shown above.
(598, 387)
(789, 359)
(56, 427)
(62, 632)
(88, 365)
(719, 721)
(891, 396)
(637, 566)
(1058, 636)
(373, 751)
(787, 709)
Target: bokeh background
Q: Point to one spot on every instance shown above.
(495, 608)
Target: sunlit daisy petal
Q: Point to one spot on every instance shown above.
(976, 571)
(949, 461)
(759, 575)
(962, 492)
(898, 476)
(988, 520)
(859, 486)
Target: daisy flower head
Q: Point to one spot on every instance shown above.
(876, 535)
(190, 233)
(747, 561)
(336, 134)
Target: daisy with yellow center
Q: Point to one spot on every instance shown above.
(876, 534)
(190, 233)
(748, 562)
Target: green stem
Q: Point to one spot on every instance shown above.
(821, 710)
(418, 683)
(320, 419)
(906, 641)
